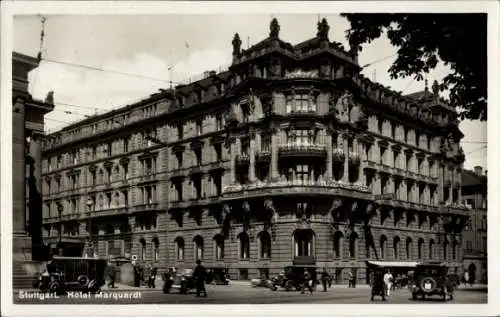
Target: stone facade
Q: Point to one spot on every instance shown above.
(289, 155)
(475, 236)
(27, 138)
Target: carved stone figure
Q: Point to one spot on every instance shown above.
(354, 206)
(49, 99)
(323, 29)
(267, 105)
(342, 107)
(274, 29)
(246, 207)
(226, 211)
(236, 45)
(336, 204)
(251, 101)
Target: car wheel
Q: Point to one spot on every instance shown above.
(428, 285)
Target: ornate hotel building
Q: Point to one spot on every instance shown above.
(289, 156)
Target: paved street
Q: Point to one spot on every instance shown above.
(244, 294)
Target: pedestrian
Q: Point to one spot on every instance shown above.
(308, 281)
(200, 274)
(350, 278)
(137, 276)
(154, 270)
(324, 279)
(169, 280)
(466, 277)
(111, 275)
(377, 285)
(388, 282)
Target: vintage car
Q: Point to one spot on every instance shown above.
(292, 277)
(432, 279)
(63, 274)
(181, 280)
(218, 276)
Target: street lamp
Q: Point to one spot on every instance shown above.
(60, 209)
(90, 203)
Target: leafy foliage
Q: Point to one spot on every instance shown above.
(459, 40)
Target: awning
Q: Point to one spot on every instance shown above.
(402, 264)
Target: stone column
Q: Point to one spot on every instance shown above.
(18, 170)
(361, 169)
(251, 168)
(233, 162)
(459, 177)
(345, 177)
(329, 156)
(450, 188)
(440, 174)
(274, 172)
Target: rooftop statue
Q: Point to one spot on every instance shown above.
(274, 29)
(49, 99)
(323, 29)
(236, 45)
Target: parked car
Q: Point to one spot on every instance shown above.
(183, 281)
(292, 276)
(65, 274)
(432, 279)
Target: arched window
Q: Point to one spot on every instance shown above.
(265, 245)
(143, 249)
(420, 248)
(431, 249)
(338, 242)
(179, 249)
(244, 246)
(156, 249)
(383, 241)
(454, 250)
(198, 247)
(353, 245)
(219, 247)
(445, 250)
(116, 173)
(396, 241)
(409, 245)
(100, 178)
(303, 242)
(116, 200)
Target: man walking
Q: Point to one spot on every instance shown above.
(152, 277)
(324, 279)
(111, 275)
(388, 282)
(200, 274)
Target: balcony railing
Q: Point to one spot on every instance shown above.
(338, 155)
(302, 149)
(320, 187)
(264, 155)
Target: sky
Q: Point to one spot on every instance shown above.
(191, 44)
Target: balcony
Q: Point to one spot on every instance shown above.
(455, 208)
(195, 170)
(144, 207)
(242, 159)
(263, 156)
(148, 176)
(338, 155)
(106, 212)
(177, 173)
(219, 165)
(297, 187)
(301, 150)
(354, 158)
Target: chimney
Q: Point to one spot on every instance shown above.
(206, 74)
(213, 73)
(478, 170)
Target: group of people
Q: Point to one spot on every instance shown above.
(145, 275)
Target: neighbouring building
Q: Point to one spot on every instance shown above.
(475, 245)
(289, 156)
(27, 137)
